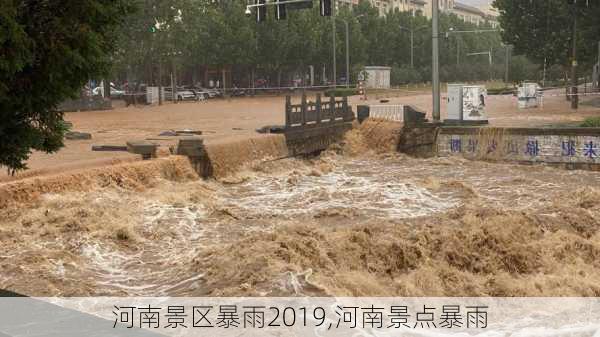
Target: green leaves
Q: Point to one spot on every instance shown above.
(542, 30)
(49, 50)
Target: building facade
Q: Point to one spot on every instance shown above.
(471, 14)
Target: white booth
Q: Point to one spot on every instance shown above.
(152, 95)
(466, 104)
(529, 95)
(377, 77)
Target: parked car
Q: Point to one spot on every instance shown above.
(182, 94)
(200, 92)
(212, 93)
(114, 92)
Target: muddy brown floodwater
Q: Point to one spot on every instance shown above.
(374, 224)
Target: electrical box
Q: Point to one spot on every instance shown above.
(152, 95)
(455, 103)
(474, 100)
(466, 104)
(529, 95)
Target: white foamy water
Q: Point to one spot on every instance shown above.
(168, 235)
(365, 192)
(166, 238)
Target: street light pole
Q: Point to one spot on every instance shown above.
(412, 45)
(334, 47)
(348, 49)
(574, 96)
(508, 53)
(347, 55)
(598, 69)
(435, 60)
(412, 31)
(457, 51)
(412, 48)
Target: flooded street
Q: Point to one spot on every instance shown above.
(334, 225)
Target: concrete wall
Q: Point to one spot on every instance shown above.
(419, 141)
(574, 147)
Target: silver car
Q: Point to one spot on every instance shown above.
(182, 95)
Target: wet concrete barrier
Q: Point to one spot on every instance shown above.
(571, 148)
(193, 148)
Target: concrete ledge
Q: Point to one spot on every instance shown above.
(191, 147)
(145, 149)
(546, 131)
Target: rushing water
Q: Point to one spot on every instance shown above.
(170, 234)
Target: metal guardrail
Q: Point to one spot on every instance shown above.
(393, 113)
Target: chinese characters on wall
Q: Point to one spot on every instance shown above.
(552, 149)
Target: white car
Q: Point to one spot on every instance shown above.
(182, 95)
(209, 93)
(203, 93)
(114, 92)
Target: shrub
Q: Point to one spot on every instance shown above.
(591, 122)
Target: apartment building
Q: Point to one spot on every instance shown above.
(471, 14)
(385, 6)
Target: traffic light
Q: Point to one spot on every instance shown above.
(261, 10)
(280, 11)
(326, 7)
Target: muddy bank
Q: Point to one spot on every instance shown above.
(137, 175)
(226, 159)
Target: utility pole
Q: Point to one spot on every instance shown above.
(435, 60)
(412, 48)
(457, 51)
(347, 54)
(598, 69)
(334, 47)
(508, 53)
(574, 94)
(544, 75)
(160, 88)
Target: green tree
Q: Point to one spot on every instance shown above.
(542, 30)
(48, 50)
